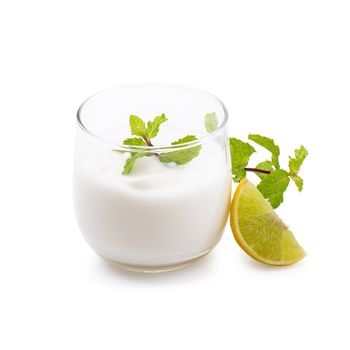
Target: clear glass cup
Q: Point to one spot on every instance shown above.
(161, 216)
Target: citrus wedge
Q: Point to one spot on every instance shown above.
(258, 229)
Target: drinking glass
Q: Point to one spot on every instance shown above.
(161, 215)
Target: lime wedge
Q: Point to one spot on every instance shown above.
(258, 229)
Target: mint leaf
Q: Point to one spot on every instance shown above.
(295, 163)
(240, 154)
(153, 127)
(273, 186)
(298, 181)
(183, 156)
(130, 162)
(266, 165)
(211, 121)
(269, 144)
(137, 126)
(135, 141)
(188, 138)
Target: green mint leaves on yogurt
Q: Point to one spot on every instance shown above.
(183, 156)
(138, 128)
(144, 135)
(273, 180)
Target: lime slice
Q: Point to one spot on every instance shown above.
(258, 229)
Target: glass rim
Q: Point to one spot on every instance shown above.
(128, 148)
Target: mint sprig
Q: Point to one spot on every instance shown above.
(274, 180)
(138, 128)
(146, 134)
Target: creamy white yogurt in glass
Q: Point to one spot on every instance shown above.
(160, 216)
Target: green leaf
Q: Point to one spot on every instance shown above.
(266, 165)
(295, 163)
(135, 141)
(211, 121)
(183, 156)
(188, 138)
(270, 145)
(137, 126)
(130, 162)
(298, 181)
(153, 127)
(273, 186)
(240, 154)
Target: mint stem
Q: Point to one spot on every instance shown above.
(148, 141)
(150, 144)
(255, 170)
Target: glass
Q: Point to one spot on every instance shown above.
(160, 216)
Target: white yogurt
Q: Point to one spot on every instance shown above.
(158, 215)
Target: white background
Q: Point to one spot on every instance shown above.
(281, 68)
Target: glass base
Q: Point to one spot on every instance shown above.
(155, 268)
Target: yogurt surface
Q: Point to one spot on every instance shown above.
(159, 214)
